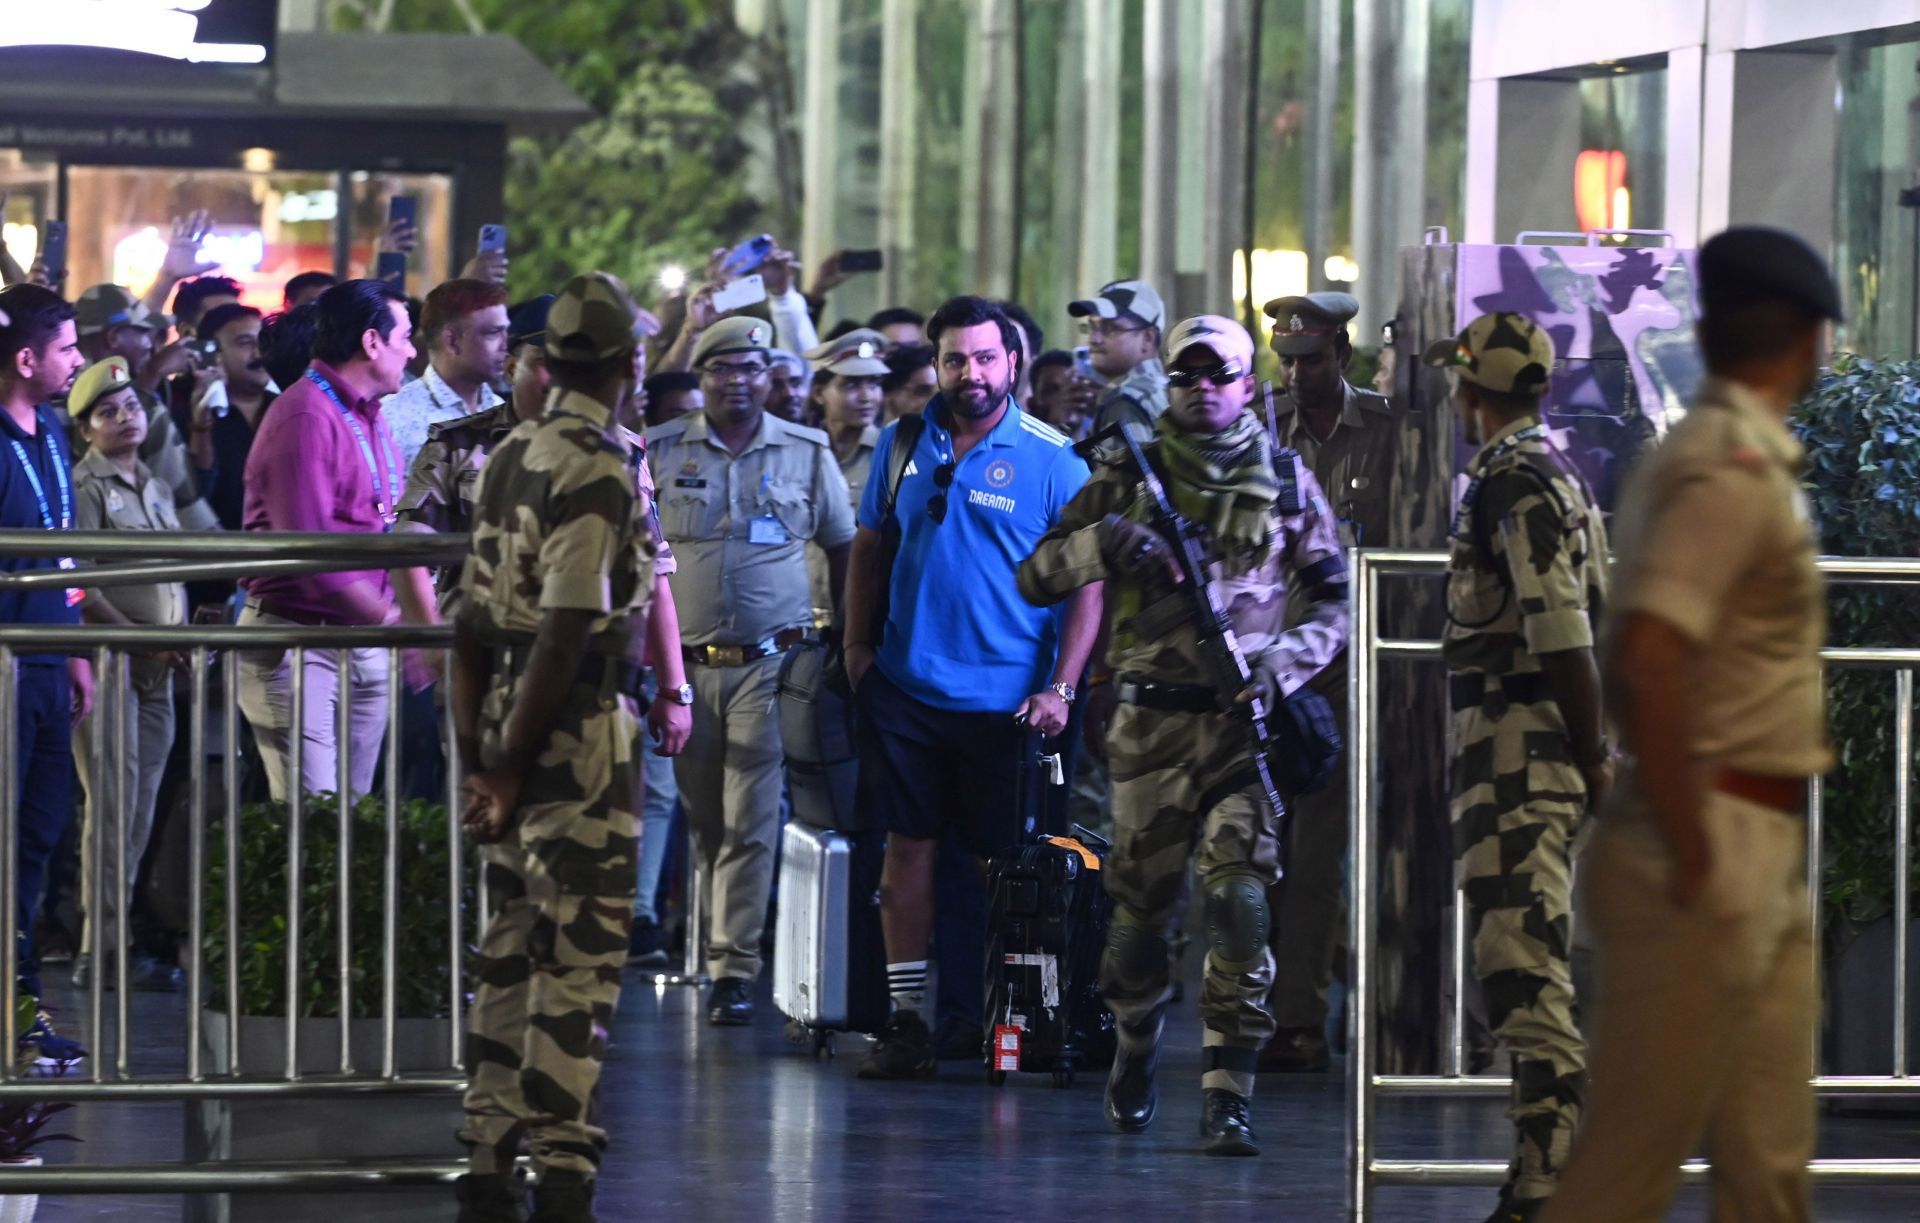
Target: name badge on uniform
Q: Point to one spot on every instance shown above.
(115, 502)
(689, 482)
(767, 530)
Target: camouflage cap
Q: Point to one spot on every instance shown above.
(1502, 352)
(1134, 299)
(856, 354)
(104, 306)
(1228, 340)
(736, 334)
(591, 319)
(1310, 322)
(100, 379)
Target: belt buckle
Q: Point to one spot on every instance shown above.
(726, 655)
(1127, 692)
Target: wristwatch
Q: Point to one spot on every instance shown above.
(683, 695)
(1063, 691)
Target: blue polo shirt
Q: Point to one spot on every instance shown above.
(45, 450)
(958, 634)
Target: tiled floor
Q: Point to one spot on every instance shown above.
(712, 1124)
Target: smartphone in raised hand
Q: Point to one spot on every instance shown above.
(746, 291)
(53, 250)
(746, 257)
(493, 239)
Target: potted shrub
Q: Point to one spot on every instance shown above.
(23, 1130)
(328, 1129)
(1861, 429)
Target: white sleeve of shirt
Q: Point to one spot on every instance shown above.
(793, 329)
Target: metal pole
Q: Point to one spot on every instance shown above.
(196, 857)
(1360, 1001)
(1816, 819)
(456, 878)
(9, 863)
(694, 963)
(125, 706)
(230, 778)
(1457, 1045)
(102, 763)
(296, 775)
(1902, 858)
(390, 882)
(343, 757)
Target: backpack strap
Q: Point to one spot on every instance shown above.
(1287, 473)
(907, 432)
(1539, 472)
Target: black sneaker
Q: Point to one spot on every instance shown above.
(956, 1040)
(1517, 1210)
(904, 1050)
(646, 949)
(730, 1004)
(489, 1199)
(1225, 1125)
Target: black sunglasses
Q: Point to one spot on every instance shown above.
(1219, 375)
(937, 504)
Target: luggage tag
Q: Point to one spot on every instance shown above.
(1006, 1047)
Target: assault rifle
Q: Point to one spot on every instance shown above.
(1227, 672)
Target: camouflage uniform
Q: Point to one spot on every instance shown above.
(1184, 777)
(1140, 397)
(556, 526)
(443, 481)
(1527, 577)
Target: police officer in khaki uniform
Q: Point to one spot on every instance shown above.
(1346, 436)
(1696, 878)
(742, 493)
(847, 372)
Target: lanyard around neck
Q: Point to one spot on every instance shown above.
(40, 490)
(382, 502)
(1507, 446)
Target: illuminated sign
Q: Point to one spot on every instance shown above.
(191, 31)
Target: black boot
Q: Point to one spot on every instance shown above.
(1517, 1210)
(1224, 1123)
(489, 1199)
(563, 1197)
(730, 1004)
(1131, 1098)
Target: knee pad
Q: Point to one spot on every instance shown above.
(1237, 920)
(1135, 950)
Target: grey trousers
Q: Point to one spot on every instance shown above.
(266, 698)
(129, 803)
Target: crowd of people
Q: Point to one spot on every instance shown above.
(663, 504)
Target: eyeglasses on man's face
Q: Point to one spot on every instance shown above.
(1106, 328)
(727, 371)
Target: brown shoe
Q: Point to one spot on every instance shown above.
(1295, 1051)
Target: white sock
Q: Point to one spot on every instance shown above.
(907, 984)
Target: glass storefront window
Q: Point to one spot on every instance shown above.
(438, 257)
(1620, 181)
(1874, 235)
(30, 188)
(267, 227)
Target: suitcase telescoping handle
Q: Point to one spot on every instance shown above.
(1040, 767)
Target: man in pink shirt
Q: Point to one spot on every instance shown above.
(324, 460)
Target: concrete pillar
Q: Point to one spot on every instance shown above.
(1539, 141)
(1686, 92)
(1483, 161)
(1323, 102)
(1228, 59)
(992, 114)
(1389, 149)
(821, 148)
(899, 108)
(1070, 143)
(1159, 147)
(1716, 142)
(1189, 290)
(1100, 153)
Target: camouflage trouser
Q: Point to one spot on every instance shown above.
(1179, 778)
(547, 976)
(1517, 805)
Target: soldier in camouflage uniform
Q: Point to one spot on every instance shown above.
(556, 584)
(1524, 588)
(1123, 324)
(1182, 773)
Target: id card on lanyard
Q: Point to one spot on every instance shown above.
(386, 492)
(61, 480)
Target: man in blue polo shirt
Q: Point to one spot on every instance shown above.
(39, 357)
(962, 664)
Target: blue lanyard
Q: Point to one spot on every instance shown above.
(40, 490)
(1511, 444)
(381, 504)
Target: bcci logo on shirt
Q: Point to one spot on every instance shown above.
(999, 473)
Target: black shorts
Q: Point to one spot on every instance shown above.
(925, 770)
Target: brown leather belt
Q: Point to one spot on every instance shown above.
(1788, 794)
(298, 616)
(740, 655)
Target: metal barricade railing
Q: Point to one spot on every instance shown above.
(1366, 1170)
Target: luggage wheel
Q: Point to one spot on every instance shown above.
(823, 1045)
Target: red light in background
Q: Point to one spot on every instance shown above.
(1599, 189)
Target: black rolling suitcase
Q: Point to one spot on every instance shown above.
(1046, 925)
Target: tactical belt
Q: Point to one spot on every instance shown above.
(1176, 698)
(740, 655)
(1471, 691)
(1784, 794)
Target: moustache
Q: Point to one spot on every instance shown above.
(255, 366)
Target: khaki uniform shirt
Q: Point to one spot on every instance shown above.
(1716, 538)
(1152, 635)
(554, 527)
(1137, 400)
(1354, 465)
(855, 467)
(741, 523)
(1528, 571)
(106, 500)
